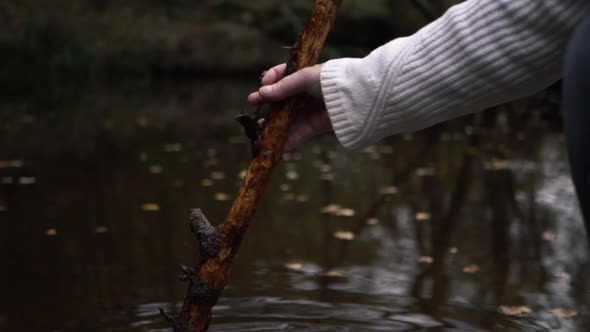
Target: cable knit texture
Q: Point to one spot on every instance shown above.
(479, 54)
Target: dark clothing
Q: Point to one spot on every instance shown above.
(576, 108)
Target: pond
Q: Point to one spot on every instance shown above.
(470, 226)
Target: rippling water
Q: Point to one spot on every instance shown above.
(471, 226)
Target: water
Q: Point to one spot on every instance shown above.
(437, 231)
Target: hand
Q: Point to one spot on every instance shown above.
(313, 118)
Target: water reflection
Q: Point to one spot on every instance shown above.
(435, 231)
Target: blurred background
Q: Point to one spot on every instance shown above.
(116, 118)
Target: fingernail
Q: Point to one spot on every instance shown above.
(265, 89)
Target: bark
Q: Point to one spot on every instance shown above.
(218, 246)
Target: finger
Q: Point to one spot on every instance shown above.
(273, 75)
(288, 86)
(255, 98)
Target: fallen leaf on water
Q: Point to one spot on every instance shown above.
(374, 156)
(346, 213)
(564, 313)
(151, 207)
(372, 221)
(206, 182)
(285, 187)
(302, 198)
(331, 154)
(385, 149)
(422, 216)
(425, 171)
(344, 235)
(101, 229)
(142, 121)
(221, 197)
(332, 274)
(156, 169)
(7, 180)
(515, 310)
(51, 232)
(11, 163)
(453, 250)
(471, 269)
(391, 190)
(560, 274)
(292, 175)
(294, 266)
(408, 137)
(549, 235)
(211, 162)
(325, 168)
(26, 180)
(331, 209)
(327, 177)
(426, 259)
(217, 175)
(173, 147)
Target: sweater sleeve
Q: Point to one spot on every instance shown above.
(479, 54)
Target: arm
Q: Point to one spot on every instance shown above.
(481, 53)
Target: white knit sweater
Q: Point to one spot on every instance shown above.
(481, 53)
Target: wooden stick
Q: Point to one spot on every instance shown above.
(218, 246)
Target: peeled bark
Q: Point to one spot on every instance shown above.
(218, 246)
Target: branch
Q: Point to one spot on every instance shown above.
(218, 247)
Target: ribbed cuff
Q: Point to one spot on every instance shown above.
(333, 77)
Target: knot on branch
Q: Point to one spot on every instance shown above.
(252, 129)
(207, 235)
(199, 289)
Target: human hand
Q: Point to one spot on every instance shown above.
(312, 119)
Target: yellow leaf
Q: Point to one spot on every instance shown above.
(156, 169)
(389, 190)
(564, 313)
(217, 175)
(422, 216)
(221, 197)
(332, 274)
(330, 209)
(515, 310)
(345, 213)
(292, 175)
(426, 260)
(344, 235)
(549, 235)
(294, 266)
(101, 229)
(27, 180)
(151, 207)
(372, 221)
(471, 269)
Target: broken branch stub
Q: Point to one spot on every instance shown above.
(218, 246)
